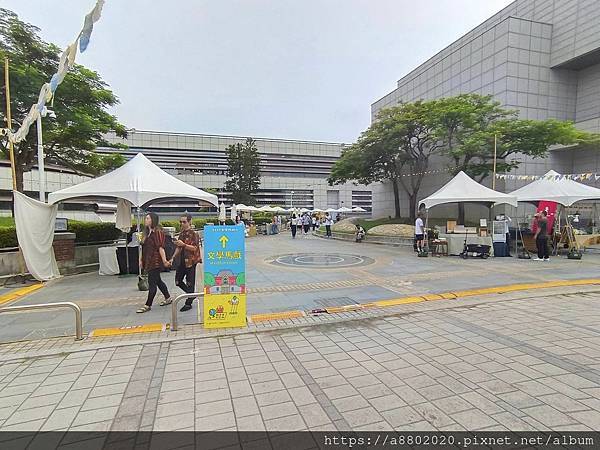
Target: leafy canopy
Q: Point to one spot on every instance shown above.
(81, 104)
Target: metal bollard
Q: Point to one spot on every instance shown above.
(176, 301)
(73, 306)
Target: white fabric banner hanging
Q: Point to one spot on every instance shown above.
(34, 221)
(123, 215)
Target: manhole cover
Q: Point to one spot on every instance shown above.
(321, 261)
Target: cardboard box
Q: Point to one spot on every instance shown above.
(450, 226)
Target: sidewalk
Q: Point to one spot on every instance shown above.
(488, 363)
(387, 273)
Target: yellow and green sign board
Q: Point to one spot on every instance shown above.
(224, 276)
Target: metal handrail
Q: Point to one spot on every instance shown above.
(174, 306)
(73, 306)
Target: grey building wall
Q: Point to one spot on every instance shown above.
(287, 166)
(539, 57)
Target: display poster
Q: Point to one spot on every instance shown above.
(551, 208)
(224, 276)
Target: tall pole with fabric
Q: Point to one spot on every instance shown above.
(40, 156)
(11, 148)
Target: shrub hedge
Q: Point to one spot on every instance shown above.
(93, 231)
(86, 232)
(8, 237)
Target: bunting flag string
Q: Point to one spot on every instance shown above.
(66, 63)
(429, 172)
(571, 176)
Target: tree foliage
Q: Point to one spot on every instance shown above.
(400, 144)
(401, 141)
(472, 124)
(243, 171)
(81, 102)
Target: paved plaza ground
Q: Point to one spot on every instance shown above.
(520, 362)
(285, 274)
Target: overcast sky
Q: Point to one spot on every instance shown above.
(303, 69)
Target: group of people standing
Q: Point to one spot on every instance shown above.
(153, 260)
(305, 222)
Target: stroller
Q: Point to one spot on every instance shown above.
(475, 250)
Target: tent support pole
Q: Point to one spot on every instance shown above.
(426, 230)
(139, 242)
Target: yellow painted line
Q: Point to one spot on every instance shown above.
(482, 291)
(399, 301)
(345, 308)
(368, 305)
(276, 316)
(432, 297)
(17, 293)
(148, 328)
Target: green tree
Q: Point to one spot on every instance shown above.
(470, 124)
(81, 102)
(396, 148)
(243, 171)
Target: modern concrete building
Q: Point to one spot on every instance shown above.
(293, 173)
(540, 57)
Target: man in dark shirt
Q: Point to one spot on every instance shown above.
(188, 251)
(541, 237)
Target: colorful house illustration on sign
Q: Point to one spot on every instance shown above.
(225, 283)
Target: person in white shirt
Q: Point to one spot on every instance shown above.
(419, 232)
(328, 223)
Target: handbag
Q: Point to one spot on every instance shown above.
(143, 282)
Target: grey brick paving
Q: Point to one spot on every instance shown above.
(495, 366)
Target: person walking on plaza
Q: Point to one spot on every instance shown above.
(188, 256)
(153, 260)
(541, 237)
(294, 225)
(328, 223)
(314, 223)
(306, 223)
(419, 232)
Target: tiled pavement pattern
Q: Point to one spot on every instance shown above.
(112, 301)
(528, 364)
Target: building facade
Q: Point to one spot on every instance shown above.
(539, 57)
(293, 173)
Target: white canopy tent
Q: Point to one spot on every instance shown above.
(553, 188)
(463, 189)
(139, 181)
(344, 209)
(358, 209)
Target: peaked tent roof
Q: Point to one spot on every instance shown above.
(463, 188)
(139, 180)
(554, 189)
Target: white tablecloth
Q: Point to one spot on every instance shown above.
(456, 242)
(107, 257)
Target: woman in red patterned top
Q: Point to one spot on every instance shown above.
(153, 260)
